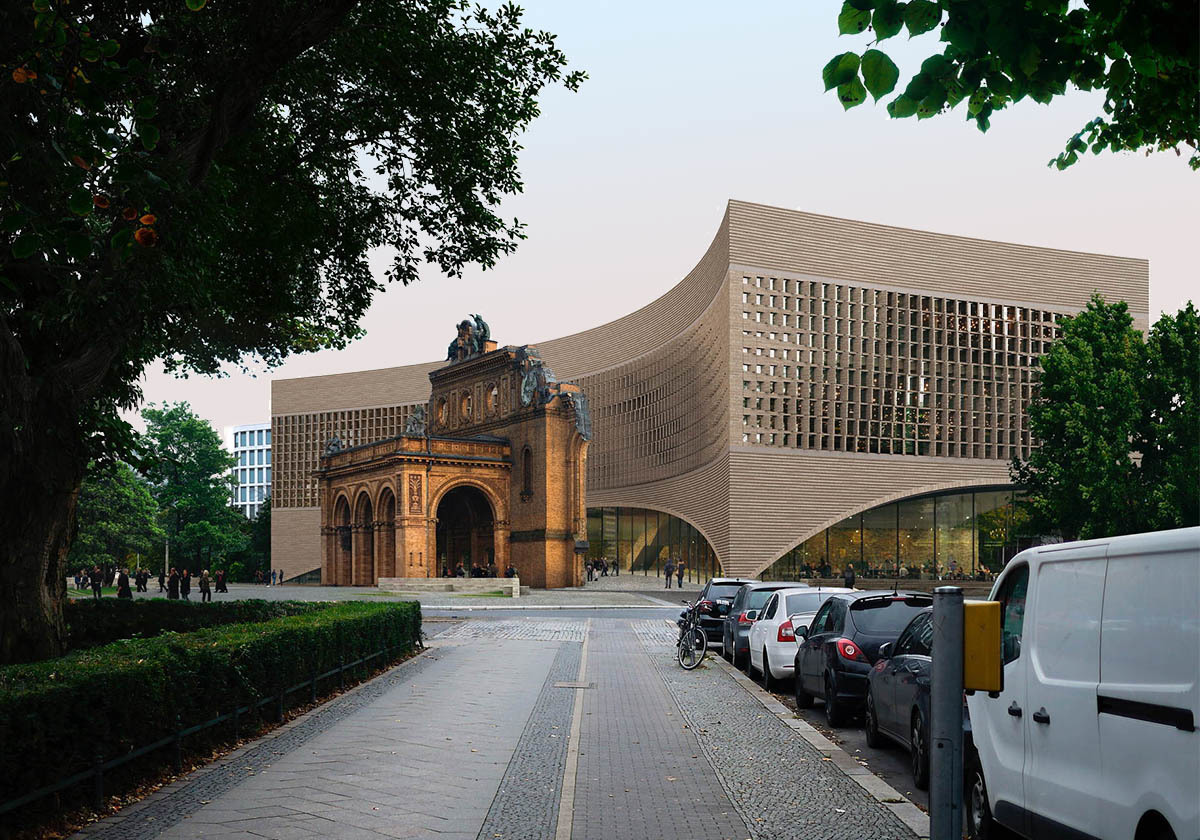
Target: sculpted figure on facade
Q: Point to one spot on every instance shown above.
(472, 339)
(415, 425)
(334, 445)
(480, 335)
(536, 377)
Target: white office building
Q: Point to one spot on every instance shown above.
(252, 473)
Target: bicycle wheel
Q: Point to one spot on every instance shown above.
(692, 647)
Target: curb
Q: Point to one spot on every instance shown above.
(879, 790)
(460, 608)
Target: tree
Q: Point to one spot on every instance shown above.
(188, 470)
(203, 186)
(1143, 56)
(1117, 433)
(116, 517)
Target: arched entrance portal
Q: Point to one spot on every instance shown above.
(342, 541)
(465, 524)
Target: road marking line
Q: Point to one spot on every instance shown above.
(566, 802)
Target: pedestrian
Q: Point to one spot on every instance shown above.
(616, 567)
(679, 570)
(162, 581)
(185, 584)
(669, 571)
(588, 567)
(511, 571)
(221, 587)
(173, 585)
(848, 576)
(96, 581)
(603, 567)
(460, 570)
(123, 584)
(492, 570)
(205, 588)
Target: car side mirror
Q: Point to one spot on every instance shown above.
(752, 615)
(885, 650)
(801, 632)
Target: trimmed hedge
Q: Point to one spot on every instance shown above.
(99, 622)
(55, 715)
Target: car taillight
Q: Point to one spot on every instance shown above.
(848, 650)
(786, 633)
(742, 619)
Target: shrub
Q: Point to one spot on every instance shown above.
(99, 622)
(55, 715)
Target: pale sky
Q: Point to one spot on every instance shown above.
(691, 104)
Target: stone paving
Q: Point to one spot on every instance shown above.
(473, 740)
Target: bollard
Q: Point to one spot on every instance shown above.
(945, 708)
(313, 693)
(98, 790)
(178, 744)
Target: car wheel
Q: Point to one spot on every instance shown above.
(835, 714)
(725, 650)
(768, 680)
(919, 751)
(980, 825)
(871, 723)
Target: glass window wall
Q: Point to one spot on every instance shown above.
(643, 541)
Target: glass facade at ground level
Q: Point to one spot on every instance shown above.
(642, 541)
(953, 535)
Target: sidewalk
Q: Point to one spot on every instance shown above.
(540, 729)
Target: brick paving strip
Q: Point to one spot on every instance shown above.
(784, 777)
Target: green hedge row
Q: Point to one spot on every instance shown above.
(98, 622)
(56, 714)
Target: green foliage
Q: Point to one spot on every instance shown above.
(91, 623)
(1118, 423)
(130, 693)
(1145, 57)
(188, 467)
(116, 517)
(256, 555)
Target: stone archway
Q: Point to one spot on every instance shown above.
(466, 526)
(385, 543)
(342, 542)
(364, 542)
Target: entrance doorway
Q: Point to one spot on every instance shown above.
(465, 531)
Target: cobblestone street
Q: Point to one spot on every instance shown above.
(539, 729)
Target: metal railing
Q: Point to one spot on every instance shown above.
(100, 766)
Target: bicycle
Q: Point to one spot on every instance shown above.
(692, 644)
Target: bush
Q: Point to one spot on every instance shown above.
(99, 622)
(55, 715)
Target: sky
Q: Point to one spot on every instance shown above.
(688, 105)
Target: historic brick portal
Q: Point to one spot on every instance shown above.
(493, 471)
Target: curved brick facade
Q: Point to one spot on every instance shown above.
(807, 367)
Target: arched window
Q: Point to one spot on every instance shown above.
(526, 474)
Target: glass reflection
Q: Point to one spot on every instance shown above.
(642, 541)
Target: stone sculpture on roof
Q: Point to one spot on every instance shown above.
(536, 377)
(472, 339)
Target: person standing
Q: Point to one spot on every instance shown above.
(123, 584)
(669, 570)
(185, 584)
(205, 587)
(848, 576)
(616, 567)
(162, 581)
(221, 587)
(679, 570)
(173, 586)
(96, 579)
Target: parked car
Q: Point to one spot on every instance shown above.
(713, 605)
(746, 606)
(835, 653)
(772, 638)
(1095, 731)
(897, 705)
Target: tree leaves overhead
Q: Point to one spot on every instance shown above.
(879, 72)
(1117, 420)
(840, 70)
(1145, 57)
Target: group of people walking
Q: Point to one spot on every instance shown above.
(600, 567)
(491, 570)
(178, 584)
(96, 578)
(675, 568)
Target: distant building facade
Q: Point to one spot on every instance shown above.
(252, 472)
(816, 391)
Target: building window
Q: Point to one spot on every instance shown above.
(526, 474)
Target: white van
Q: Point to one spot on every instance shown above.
(1095, 733)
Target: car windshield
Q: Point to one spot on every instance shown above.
(886, 616)
(806, 602)
(717, 591)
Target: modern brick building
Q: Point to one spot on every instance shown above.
(815, 391)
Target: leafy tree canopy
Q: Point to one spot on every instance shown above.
(1118, 421)
(1143, 55)
(116, 517)
(187, 468)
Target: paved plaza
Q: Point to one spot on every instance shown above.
(534, 727)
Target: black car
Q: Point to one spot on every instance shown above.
(897, 706)
(713, 605)
(735, 637)
(837, 650)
